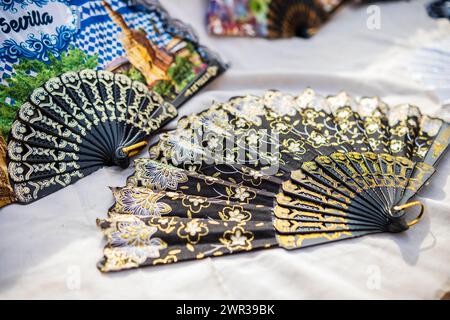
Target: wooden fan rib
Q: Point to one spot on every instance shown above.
(41, 150)
(89, 82)
(404, 126)
(27, 192)
(159, 177)
(358, 162)
(291, 227)
(20, 172)
(299, 241)
(145, 202)
(105, 82)
(60, 115)
(321, 207)
(75, 89)
(331, 168)
(339, 203)
(361, 179)
(28, 134)
(329, 216)
(439, 146)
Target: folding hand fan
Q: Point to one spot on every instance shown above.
(269, 18)
(77, 123)
(273, 171)
(42, 39)
(439, 9)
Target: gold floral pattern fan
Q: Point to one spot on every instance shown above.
(276, 170)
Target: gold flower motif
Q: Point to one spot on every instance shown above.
(343, 113)
(195, 203)
(400, 130)
(372, 126)
(294, 146)
(317, 139)
(235, 213)
(193, 230)
(253, 139)
(243, 194)
(280, 126)
(309, 117)
(166, 224)
(237, 239)
(396, 145)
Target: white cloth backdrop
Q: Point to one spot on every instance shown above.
(49, 249)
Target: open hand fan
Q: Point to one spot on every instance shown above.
(77, 123)
(269, 18)
(292, 18)
(273, 171)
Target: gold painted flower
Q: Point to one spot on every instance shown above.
(294, 146)
(237, 239)
(240, 123)
(396, 145)
(343, 113)
(193, 230)
(309, 116)
(372, 126)
(235, 213)
(400, 130)
(253, 139)
(195, 203)
(282, 104)
(317, 139)
(165, 224)
(115, 260)
(280, 126)
(213, 143)
(243, 194)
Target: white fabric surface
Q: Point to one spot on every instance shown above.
(49, 249)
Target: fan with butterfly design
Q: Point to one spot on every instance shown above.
(273, 171)
(75, 124)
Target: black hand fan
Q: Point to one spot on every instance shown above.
(277, 170)
(295, 18)
(77, 123)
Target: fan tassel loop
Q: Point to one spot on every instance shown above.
(410, 205)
